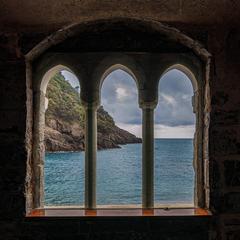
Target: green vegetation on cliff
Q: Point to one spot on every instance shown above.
(64, 130)
(63, 101)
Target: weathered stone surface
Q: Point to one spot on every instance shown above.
(216, 23)
(231, 202)
(232, 173)
(226, 118)
(226, 140)
(233, 235)
(190, 12)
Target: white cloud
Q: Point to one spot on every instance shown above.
(173, 116)
(187, 97)
(168, 99)
(163, 131)
(122, 94)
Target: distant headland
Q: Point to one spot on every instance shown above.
(64, 121)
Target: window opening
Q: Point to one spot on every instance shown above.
(174, 141)
(64, 142)
(119, 170)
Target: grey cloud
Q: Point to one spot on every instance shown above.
(125, 109)
(175, 82)
(174, 106)
(176, 87)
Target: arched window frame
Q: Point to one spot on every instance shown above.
(38, 150)
(173, 34)
(197, 104)
(41, 102)
(128, 68)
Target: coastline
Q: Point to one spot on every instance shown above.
(119, 146)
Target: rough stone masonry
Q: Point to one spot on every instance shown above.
(25, 24)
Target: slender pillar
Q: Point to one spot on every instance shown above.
(90, 155)
(39, 152)
(148, 157)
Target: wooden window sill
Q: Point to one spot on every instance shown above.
(156, 212)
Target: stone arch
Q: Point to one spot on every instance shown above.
(74, 29)
(186, 70)
(114, 62)
(114, 68)
(41, 102)
(44, 80)
(49, 64)
(50, 73)
(198, 103)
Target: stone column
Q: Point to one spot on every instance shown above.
(90, 154)
(39, 150)
(148, 155)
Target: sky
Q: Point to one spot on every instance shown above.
(174, 116)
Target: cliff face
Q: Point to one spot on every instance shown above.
(64, 127)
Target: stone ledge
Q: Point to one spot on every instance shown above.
(137, 212)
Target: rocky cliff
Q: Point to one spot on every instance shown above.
(64, 128)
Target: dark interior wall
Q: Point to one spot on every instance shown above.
(224, 139)
(224, 153)
(13, 126)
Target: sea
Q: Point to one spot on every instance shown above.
(119, 175)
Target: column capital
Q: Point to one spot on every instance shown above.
(90, 105)
(148, 105)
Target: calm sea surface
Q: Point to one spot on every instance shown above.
(119, 175)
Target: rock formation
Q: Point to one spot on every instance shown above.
(64, 127)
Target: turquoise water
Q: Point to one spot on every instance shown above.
(119, 175)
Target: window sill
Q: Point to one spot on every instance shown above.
(156, 212)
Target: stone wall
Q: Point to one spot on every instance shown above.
(225, 131)
(224, 153)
